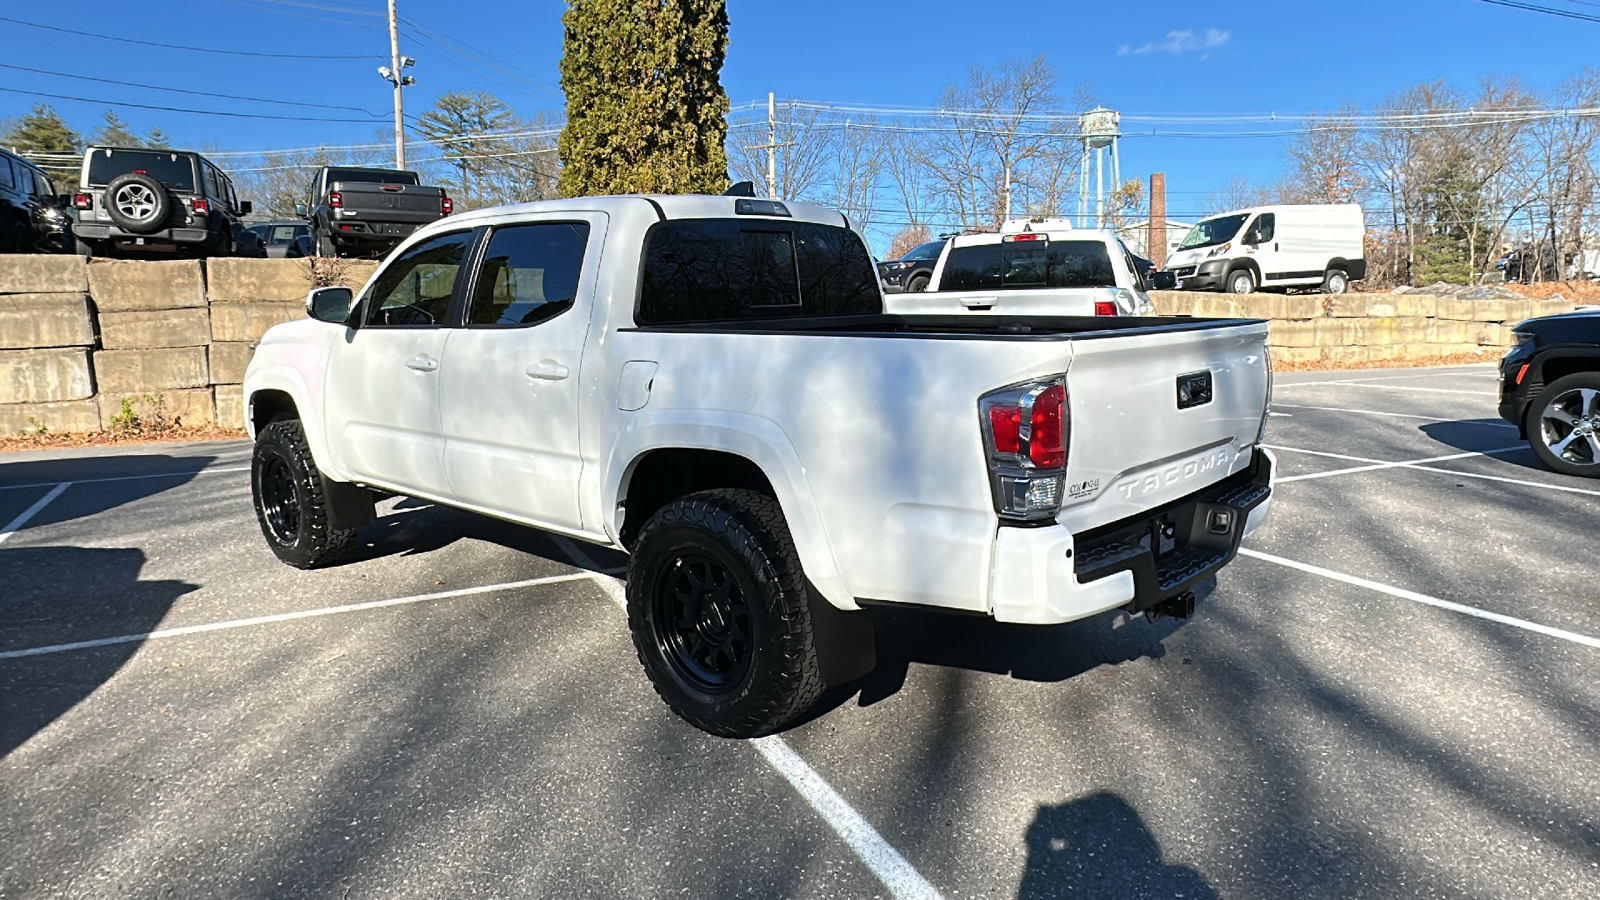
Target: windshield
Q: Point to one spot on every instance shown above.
(1213, 231)
(174, 170)
(372, 176)
(926, 251)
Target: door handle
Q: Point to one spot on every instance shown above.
(547, 371)
(422, 363)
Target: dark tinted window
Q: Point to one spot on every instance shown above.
(416, 288)
(1265, 226)
(174, 170)
(926, 251)
(5, 172)
(1028, 264)
(703, 270)
(372, 176)
(529, 273)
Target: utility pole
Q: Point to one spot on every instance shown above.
(1006, 190)
(392, 74)
(771, 146)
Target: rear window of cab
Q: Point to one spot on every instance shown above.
(1028, 264)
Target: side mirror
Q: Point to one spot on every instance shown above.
(246, 207)
(300, 210)
(330, 304)
(1163, 281)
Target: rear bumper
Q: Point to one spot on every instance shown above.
(99, 232)
(1046, 576)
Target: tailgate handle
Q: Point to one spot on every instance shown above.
(1194, 389)
(979, 302)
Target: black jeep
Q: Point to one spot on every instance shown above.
(1550, 389)
(146, 202)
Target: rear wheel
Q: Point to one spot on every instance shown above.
(324, 245)
(291, 506)
(1241, 281)
(917, 284)
(717, 604)
(1564, 425)
(1335, 282)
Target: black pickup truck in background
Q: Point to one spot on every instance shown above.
(366, 212)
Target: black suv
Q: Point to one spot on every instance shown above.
(1550, 390)
(910, 273)
(33, 218)
(146, 202)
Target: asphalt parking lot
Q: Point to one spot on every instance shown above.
(1390, 694)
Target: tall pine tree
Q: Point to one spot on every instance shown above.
(646, 112)
(115, 133)
(43, 131)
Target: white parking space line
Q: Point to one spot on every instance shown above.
(1375, 464)
(216, 471)
(1378, 464)
(1374, 412)
(16, 524)
(877, 854)
(289, 616)
(1415, 597)
(1382, 387)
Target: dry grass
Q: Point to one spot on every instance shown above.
(1583, 292)
(51, 440)
(1319, 365)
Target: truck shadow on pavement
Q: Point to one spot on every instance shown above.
(1098, 846)
(61, 595)
(1026, 652)
(1477, 435)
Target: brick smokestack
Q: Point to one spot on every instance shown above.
(1155, 239)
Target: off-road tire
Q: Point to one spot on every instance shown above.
(917, 284)
(745, 532)
(1335, 281)
(322, 245)
(1561, 391)
(153, 196)
(1238, 278)
(290, 505)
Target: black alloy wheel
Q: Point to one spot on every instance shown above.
(280, 503)
(290, 502)
(702, 623)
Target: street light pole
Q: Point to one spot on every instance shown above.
(399, 82)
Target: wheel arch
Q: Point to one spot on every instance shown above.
(1235, 265)
(279, 392)
(653, 465)
(1551, 365)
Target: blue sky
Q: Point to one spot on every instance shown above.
(1290, 56)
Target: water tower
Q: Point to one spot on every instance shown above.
(1097, 130)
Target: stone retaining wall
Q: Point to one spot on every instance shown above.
(81, 338)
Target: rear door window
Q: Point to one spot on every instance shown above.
(174, 170)
(5, 172)
(707, 270)
(529, 274)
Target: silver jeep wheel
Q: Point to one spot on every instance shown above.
(135, 201)
(1569, 425)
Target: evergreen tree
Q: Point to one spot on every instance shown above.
(645, 107)
(459, 125)
(43, 131)
(115, 133)
(158, 139)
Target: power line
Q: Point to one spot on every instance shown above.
(108, 37)
(284, 12)
(1549, 11)
(154, 87)
(179, 109)
(443, 44)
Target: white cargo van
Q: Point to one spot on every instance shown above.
(1274, 246)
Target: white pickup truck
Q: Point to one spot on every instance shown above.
(711, 384)
(1031, 267)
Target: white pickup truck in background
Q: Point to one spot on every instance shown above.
(1031, 267)
(712, 385)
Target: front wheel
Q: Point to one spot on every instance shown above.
(1564, 425)
(717, 604)
(917, 284)
(291, 505)
(1241, 281)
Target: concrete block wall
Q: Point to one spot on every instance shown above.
(1357, 328)
(78, 338)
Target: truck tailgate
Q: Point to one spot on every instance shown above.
(1009, 302)
(390, 202)
(1156, 417)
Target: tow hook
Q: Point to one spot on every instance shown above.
(1179, 607)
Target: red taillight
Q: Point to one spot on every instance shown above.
(201, 207)
(1045, 447)
(446, 206)
(1005, 422)
(82, 201)
(336, 200)
(1105, 308)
